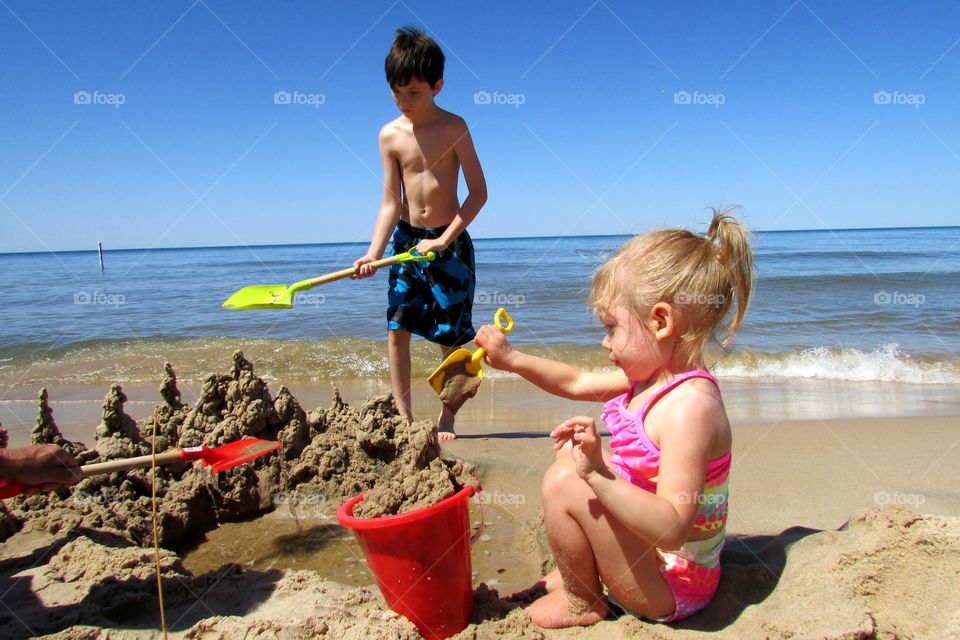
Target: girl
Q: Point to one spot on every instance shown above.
(647, 520)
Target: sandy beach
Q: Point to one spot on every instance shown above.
(839, 528)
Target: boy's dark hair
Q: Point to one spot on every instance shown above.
(414, 54)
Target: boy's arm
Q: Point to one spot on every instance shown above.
(552, 376)
(476, 191)
(390, 209)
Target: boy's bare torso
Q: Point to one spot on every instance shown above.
(429, 168)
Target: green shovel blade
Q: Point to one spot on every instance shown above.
(261, 296)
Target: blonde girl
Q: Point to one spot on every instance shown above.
(641, 527)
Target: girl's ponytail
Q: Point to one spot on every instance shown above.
(731, 244)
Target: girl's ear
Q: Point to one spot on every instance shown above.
(663, 320)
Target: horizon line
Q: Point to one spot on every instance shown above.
(548, 237)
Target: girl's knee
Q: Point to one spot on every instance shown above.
(558, 478)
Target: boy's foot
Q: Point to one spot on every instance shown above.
(559, 609)
(445, 425)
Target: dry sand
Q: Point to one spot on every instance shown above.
(839, 529)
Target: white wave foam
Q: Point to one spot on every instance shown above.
(884, 364)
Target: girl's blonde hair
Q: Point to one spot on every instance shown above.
(699, 275)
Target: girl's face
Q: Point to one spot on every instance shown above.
(632, 344)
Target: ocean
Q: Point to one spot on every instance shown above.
(878, 305)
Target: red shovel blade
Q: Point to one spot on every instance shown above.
(230, 455)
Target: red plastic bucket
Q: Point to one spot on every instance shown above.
(421, 560)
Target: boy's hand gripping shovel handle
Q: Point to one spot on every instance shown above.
(409, 256)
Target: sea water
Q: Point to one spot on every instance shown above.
(872, 306)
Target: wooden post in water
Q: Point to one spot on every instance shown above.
(100, 255)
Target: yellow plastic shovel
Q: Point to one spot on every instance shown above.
(470, 361)
(280, 296)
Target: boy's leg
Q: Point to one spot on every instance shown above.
(589, 545)
(398, 351)
(447, 416)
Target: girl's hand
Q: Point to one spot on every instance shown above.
(496, 345)
(587, 450)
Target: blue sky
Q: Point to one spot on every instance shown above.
(602, 117)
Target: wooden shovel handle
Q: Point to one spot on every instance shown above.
(349, 271)
(140, 462)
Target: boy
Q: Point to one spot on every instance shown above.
(422, 152)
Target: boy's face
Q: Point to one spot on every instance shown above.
(416, 97)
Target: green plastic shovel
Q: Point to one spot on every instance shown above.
(280, 296)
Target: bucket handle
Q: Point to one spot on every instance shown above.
(477, 492)
(476, 536)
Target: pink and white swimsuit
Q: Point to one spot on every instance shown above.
(693, 571)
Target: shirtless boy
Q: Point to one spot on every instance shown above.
(423, 152)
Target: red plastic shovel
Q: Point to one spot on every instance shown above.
(218, 459)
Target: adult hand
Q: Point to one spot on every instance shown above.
(43, 467)
(587, 449)
(496, 346)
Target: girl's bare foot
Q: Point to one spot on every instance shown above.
(559, 609)
(445, 425)
(550, 582)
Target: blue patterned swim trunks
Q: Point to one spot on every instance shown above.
(432, 299)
